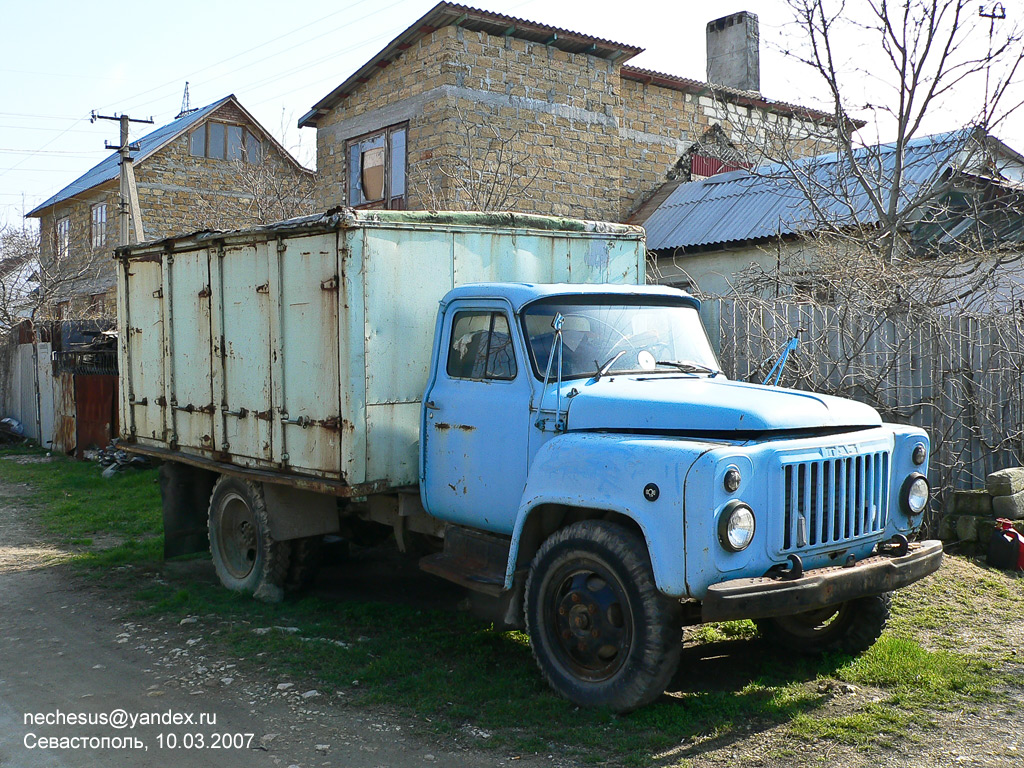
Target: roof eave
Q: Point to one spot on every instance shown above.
(446, 14)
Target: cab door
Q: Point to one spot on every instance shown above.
(475, 424)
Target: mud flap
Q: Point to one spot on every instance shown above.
(185, 493)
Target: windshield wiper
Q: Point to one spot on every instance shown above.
(603, 369)
(689, 366)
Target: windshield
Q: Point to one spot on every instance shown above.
(641, 335)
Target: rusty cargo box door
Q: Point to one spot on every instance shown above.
(245, 325)
(305, 368)
(187, 297)
(143, 361)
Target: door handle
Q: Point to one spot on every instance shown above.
(431, 405)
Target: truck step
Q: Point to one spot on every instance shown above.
(473, 559)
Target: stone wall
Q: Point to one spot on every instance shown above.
(970, 516)
(588, 141)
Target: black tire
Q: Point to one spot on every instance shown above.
(601, 632)
(303, 562)
(850, 627)
(245, 556)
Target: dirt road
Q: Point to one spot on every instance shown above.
(68, 652)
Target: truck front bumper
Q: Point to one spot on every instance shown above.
(769, 596)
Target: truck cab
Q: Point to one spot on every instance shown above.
(588, 433)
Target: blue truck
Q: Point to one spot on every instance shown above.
(568, 438)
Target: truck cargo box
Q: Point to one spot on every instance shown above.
(302, 348)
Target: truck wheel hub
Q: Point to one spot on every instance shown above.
(590, 630)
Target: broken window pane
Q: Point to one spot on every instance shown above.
(373, 173)
(215, 145)
(235, 142)
(376, 169)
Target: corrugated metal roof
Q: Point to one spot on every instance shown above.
(110, 167)
(774, 200)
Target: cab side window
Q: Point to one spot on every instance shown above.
(481, 347)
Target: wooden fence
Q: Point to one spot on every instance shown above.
(958, 377)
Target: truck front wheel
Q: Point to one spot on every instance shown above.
(245, 556)
(851, 627)
(601, 632)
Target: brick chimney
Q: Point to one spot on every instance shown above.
(733, 52)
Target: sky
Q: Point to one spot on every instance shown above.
(62, 59)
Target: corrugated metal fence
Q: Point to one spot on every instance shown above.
(958, 377)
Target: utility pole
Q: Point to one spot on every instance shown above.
(129, 206)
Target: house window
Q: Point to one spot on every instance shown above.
(481, 347)
(376, 169)
(63, 237)
(97, 304)
(223, 141)
(99, 225)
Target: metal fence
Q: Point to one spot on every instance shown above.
(86, 362)
(958, 377)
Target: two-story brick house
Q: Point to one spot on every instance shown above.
(465, 99)
(197, 171)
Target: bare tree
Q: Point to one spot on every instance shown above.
(897, 64)
(488, 170)
(41, 287)
(263, 193)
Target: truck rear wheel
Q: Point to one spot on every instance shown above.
(850, 627)
(601, 632)
(245, 556)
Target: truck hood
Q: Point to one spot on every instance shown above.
(684, 403)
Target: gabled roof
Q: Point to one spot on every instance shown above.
(772, 201)
(109, 168)
(445, 14)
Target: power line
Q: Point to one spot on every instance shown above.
(192, 75)
(49, 130)
(62, 133)
(66, 152)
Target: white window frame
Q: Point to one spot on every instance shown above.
(98, 224)
(62, 232)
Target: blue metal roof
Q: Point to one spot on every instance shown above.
(774, 200)
(109, 168)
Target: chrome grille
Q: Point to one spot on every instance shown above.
(835, 500)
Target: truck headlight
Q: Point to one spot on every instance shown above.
(736, 526)
(915, 493)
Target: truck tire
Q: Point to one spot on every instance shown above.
(851, 627)
(601, 632)
(245, 556)
(303, 562)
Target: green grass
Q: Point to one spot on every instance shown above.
(75, 504)
(449, 670)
